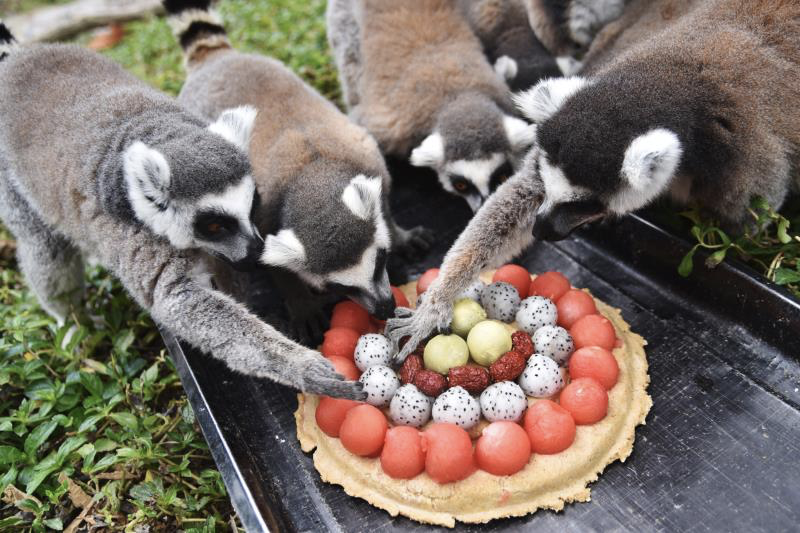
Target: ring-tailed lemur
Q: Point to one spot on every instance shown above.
(324, 182)
(510, 43)
(95, 164)
(415, 75)
(703, 108)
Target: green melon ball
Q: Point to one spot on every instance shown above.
(466, 313)
(444, 352)
(487, 341)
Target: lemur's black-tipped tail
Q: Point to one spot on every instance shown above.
(197, 27)
(7, 41)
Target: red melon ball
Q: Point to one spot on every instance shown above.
(549, 426)
(503, 448)
(448, 453)
(340, 342)
(348, 314)
(593, 330)
(402, 456)
(363, 430)
(574, 305)
(516, 276)
(400, 299)
(551, 285)
(594, 362)
(426, 279)
(345, 367)
(330, 414)
(586, 400)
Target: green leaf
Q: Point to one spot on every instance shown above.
(685, 268)
(785, 276)
(126, 420)
(10, 455)
(783, 235)
(54, 523)
(92, 383)
(9, 477)
(5, 425)
(37, 478)
(89, 422)
(716, 258)
(37, 437)
(10, 521)
(123, 341)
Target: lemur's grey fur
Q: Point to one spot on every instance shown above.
(323, 180)
(500, 230)
(666, 107)
(509, 41)
(415, 75)
(567, 27)
(90, 158)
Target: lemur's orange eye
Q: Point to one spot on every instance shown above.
(460, 186)
(214, 227)
(502, 178)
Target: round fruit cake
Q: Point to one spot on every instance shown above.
(538, 388)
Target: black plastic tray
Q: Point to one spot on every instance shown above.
(721, 447)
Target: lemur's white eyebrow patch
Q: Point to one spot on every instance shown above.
(236, 199)
(477, 171)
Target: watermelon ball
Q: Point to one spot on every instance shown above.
(549, 426)
(400, 299)
(593, 330)
(402, 456)
(466, 313)
(330, 414)
(363, 430)
(448, 451)
(574, 305)
(586, 400)
(551, 285)
(345, 367)
(503, 448)
(595, 362)
(426, 279)
(348, 314)
(487, 341)
(444, 352)
(516, 276)
(340, 342)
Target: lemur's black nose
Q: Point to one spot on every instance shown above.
(543, 230)
(385, 309)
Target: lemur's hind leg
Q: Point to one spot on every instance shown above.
(343, 36)
(51, 264)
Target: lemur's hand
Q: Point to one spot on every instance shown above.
(319, 377)
(308, 320)
(413, 243)
(417, 324)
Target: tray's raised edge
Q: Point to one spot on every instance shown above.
(241, 497)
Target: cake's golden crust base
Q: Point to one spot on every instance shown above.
(547, 482)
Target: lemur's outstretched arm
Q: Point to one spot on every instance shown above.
(176, 290)
(500, 230)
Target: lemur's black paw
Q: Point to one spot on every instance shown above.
(319, 377)
(308, 323)
(415, 243)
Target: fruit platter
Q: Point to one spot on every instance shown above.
(536, 388)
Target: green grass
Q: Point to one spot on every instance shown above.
(105, 420)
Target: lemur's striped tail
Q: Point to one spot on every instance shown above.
(197, 27)
(7, 41)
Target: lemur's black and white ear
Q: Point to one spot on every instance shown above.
(541, 101)
(520, 134)
(236, 125)
(362, 196)
(430, 152)
(651, 160)
(284, 250)
(147, 175)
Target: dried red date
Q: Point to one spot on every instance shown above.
(430, 382)
(473, 378)
(508, 367)
(411, 366)
(522, 343)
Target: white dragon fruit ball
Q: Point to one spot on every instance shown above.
(536, 312)
(501, 301)
(410, 407)
(504, 400)
(457, 406)
(473, 291)
(555, 342)
(380, 383)
(372, 349)
(542, 377)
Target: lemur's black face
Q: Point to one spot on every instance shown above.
(376, 301)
